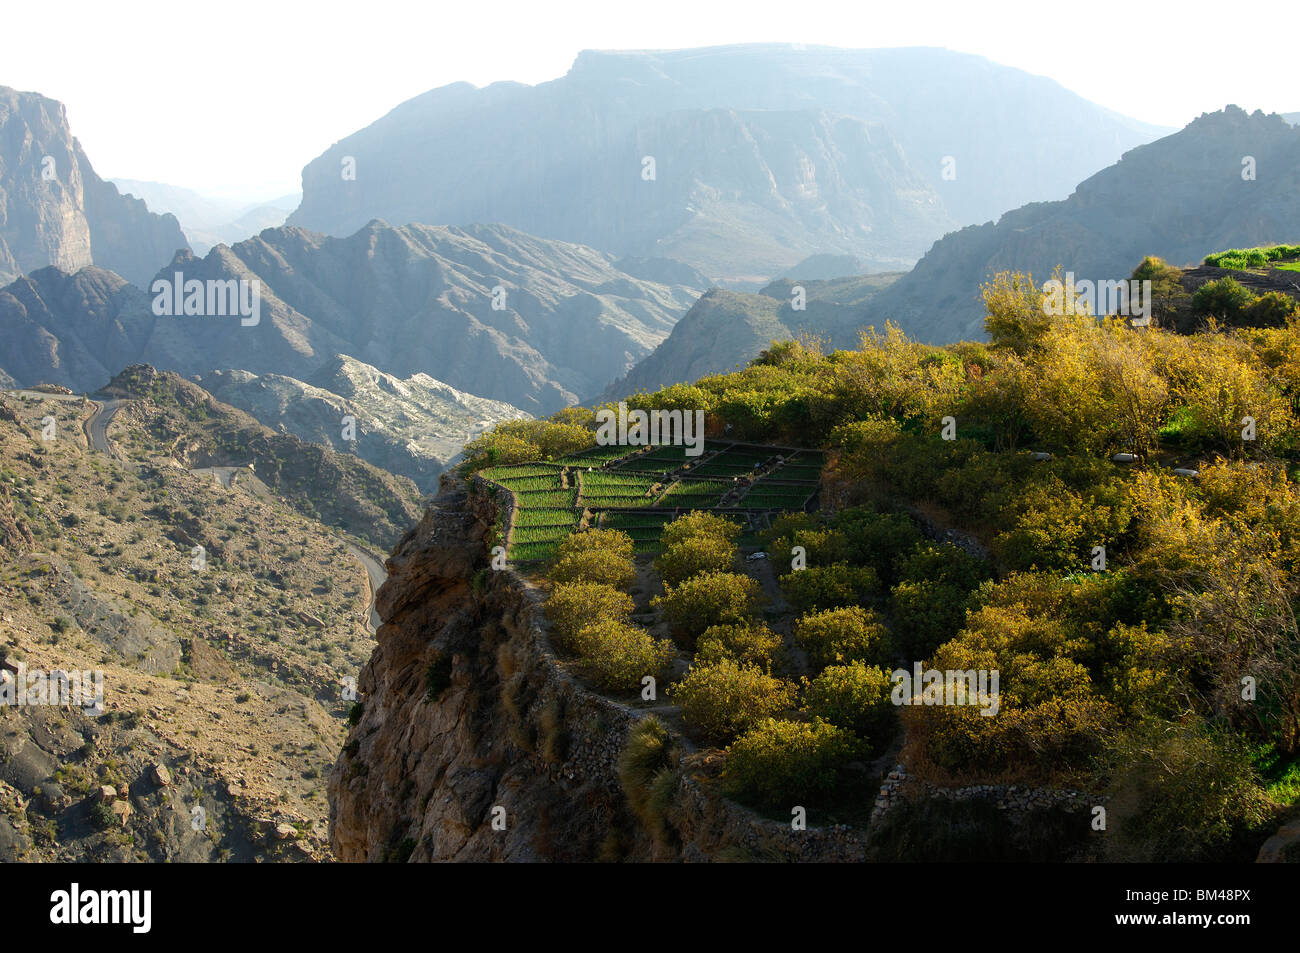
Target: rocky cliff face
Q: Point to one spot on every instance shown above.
(54, 209)
(466, 710)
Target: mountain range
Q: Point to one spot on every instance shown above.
(729, 328)
(761, 154)
(1229, 179)
(486, 309)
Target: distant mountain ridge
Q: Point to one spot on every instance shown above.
(1180, 198)
(763, 154)
(489, 310)
(727, 328)
(208, 220)
(55, 210)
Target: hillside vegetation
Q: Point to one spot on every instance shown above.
(1108, 516)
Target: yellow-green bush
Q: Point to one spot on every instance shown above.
(838, 636)
(698, 523)
(779, 764)
(830, 587)
(695, 555)
(610, 541)
(574, 605)
(525, 441)
(723, 698)
(857, 697)
(617, 655)
(594, 565)
(752, 643)
(711, 598)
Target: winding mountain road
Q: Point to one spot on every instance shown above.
(377, 575)
(97, 426)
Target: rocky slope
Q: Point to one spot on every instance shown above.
(727, 329)
(410, 300)
(54, 209)
(413, 427)
(764, 154)
(196, 431)
(1180, 198)
(223, 685)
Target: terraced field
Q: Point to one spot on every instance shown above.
(638, 490)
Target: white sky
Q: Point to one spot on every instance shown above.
(235, 97)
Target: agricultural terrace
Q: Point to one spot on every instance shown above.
(639, 489)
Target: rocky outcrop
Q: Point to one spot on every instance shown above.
(54, 209)
(412, 426)
(474, 743)
(1283, 847)
(1016, 800)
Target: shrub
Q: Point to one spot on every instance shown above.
(1223, 298)
(844, 635)
(925, 615)
(697, 523)
(829, 587)
(525, 441)
(616, 655)
(102, 816)
(437, 677)
(695, 555)
(778, 764)
(724, 698)
(1053, 527)
(1015, 316)
(1271, 309)
(601, 540)
(878, 540)
(594, 565)
(823, 546)
(752, 643)
(1181, 793)
(648, 759)
(1163, 276)
(574, 605)
(856, 697)
(943, 562)
(711, 598)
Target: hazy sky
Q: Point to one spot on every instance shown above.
(237, 96)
